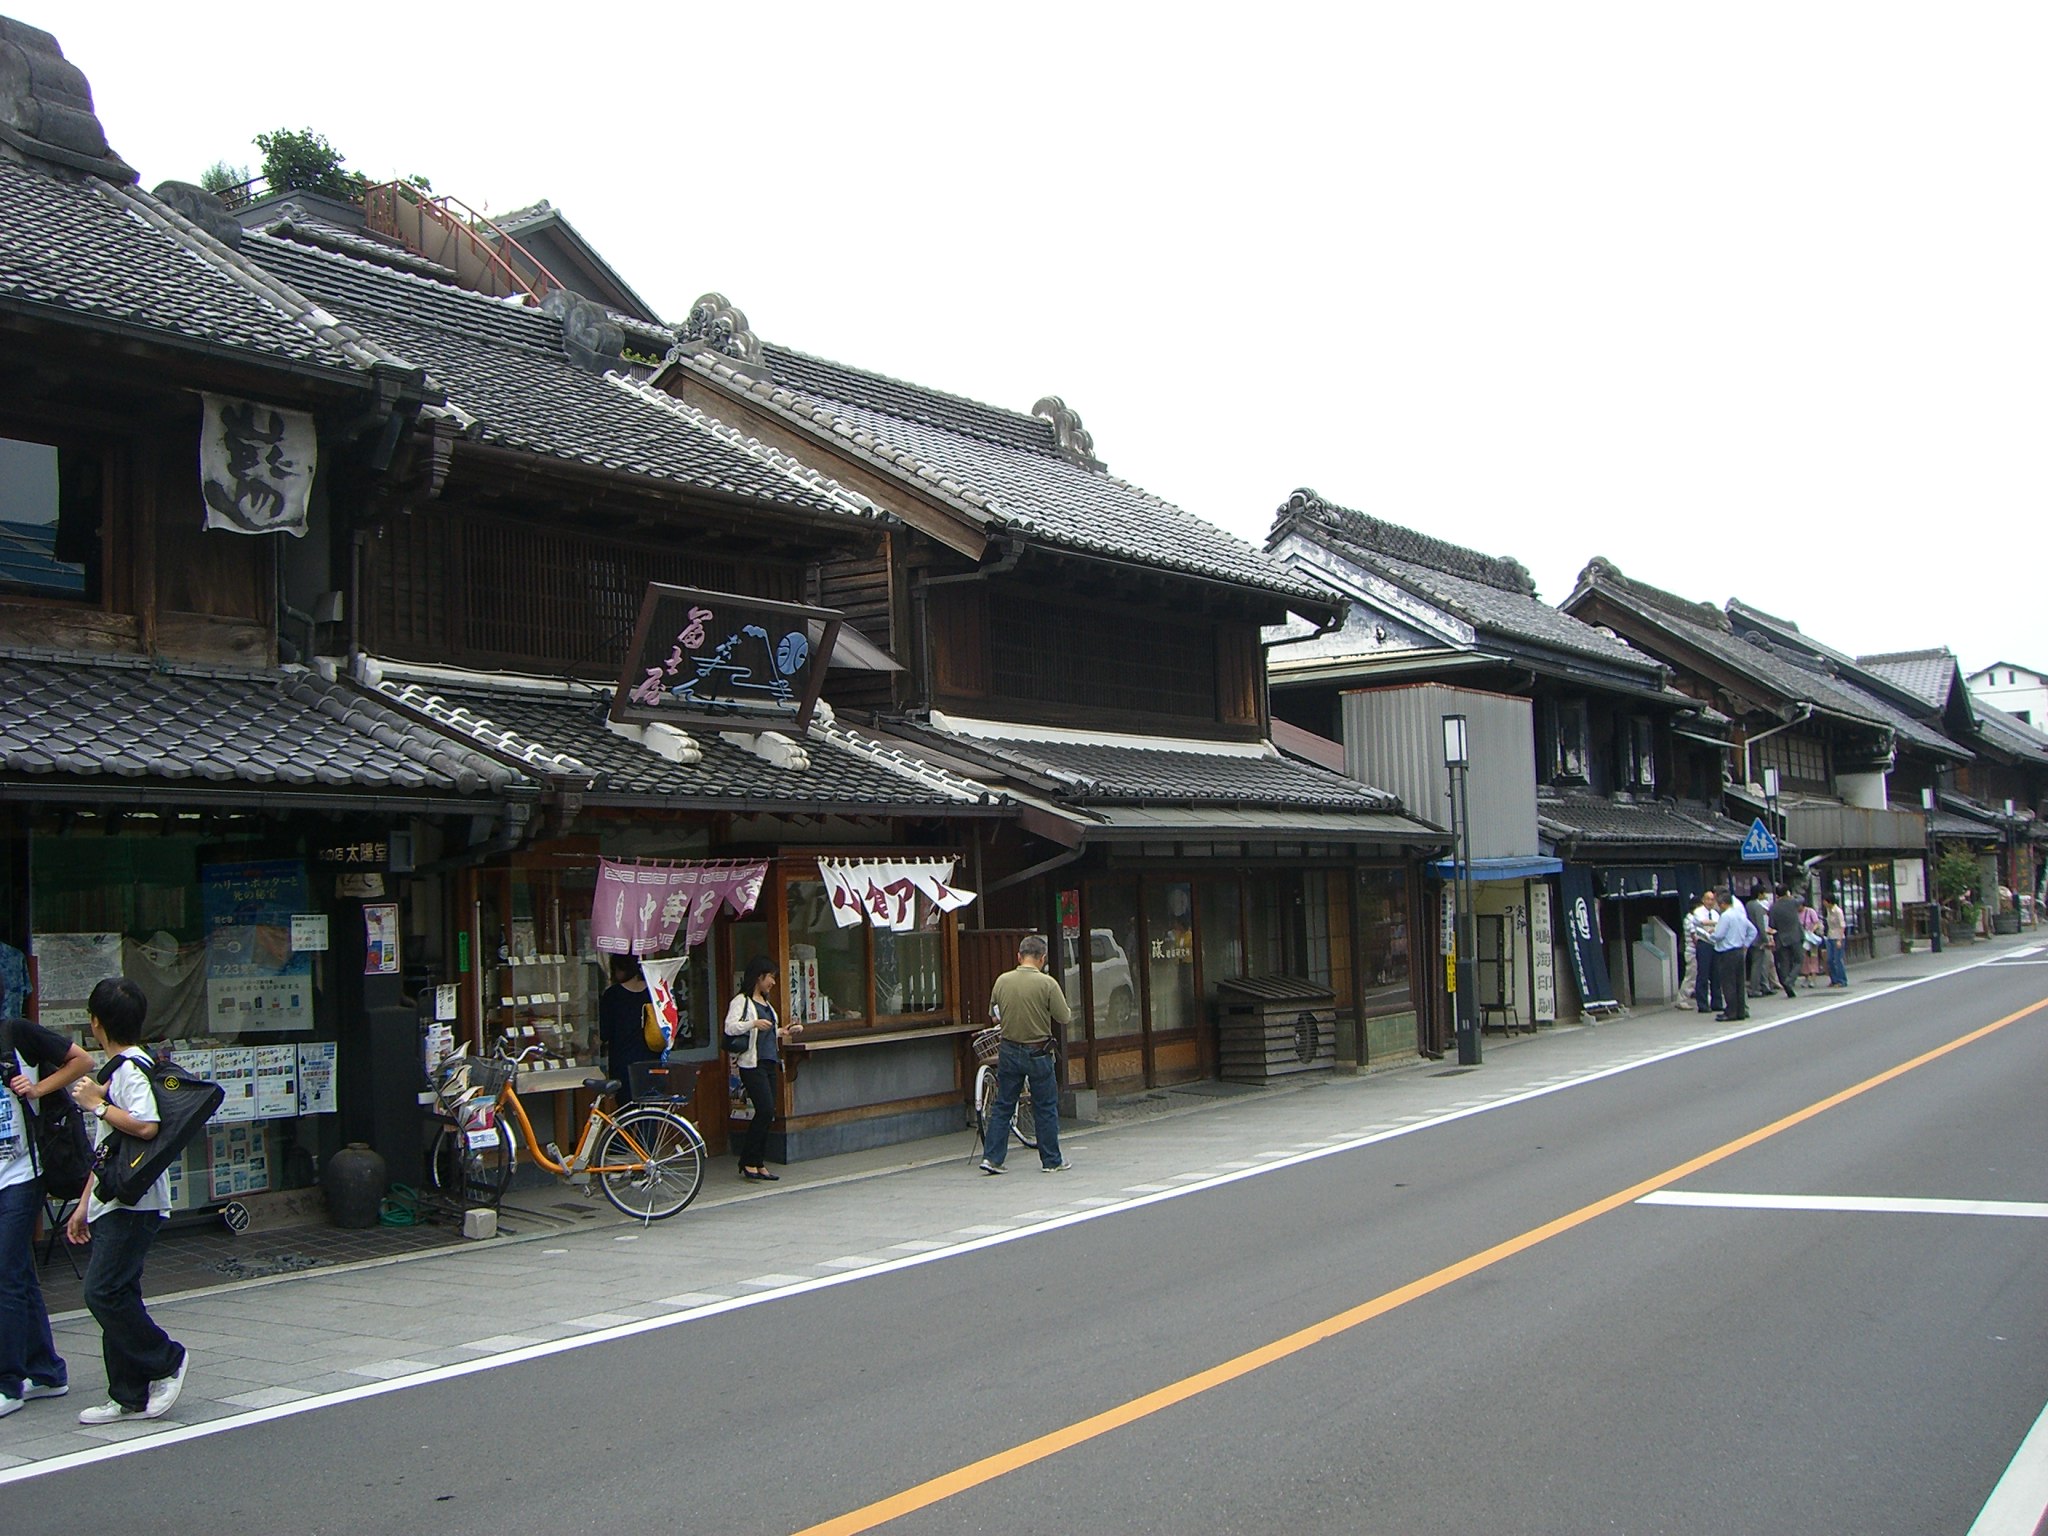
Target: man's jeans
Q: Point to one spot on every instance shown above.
(137, 1352)
(1838, 975)
(1014, 1066)
(26, 1350)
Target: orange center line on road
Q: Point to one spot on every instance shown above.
(938, 1489)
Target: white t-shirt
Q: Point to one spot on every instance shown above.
(129, 1089)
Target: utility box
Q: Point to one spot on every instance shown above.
(1270, 1027)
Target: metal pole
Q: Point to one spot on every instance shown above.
(1469, 1053)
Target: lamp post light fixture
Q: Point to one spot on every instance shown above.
(1458, 759)
(1777, 826)
(1927, 798)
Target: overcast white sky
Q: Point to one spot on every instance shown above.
(1750, 298)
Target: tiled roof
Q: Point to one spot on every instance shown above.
(847, 773)
(1790, 675)
(503, 364)
(116, 719)
(292, 220)
(1927, 675)
(2009, 733)
(1614, 824)
(1492, 594)
(997, 470)
(117, 255)
(1101, 774)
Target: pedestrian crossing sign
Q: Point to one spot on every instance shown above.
(1759, 847)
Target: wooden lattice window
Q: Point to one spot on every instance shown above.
(546, 599)
(1058, 653)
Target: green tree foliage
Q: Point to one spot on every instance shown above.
(221, 177)
(306, 162)
(1956, 873)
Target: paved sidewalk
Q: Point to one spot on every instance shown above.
(269, 1343)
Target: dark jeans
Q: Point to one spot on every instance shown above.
(26, 1350)
(1016, 1065)
(1729, 966)
(761, 1087)
(137, 1352)
(1838, 976)
(1789, 956)
(1706, 984)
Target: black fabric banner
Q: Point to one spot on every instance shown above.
(1582, 923)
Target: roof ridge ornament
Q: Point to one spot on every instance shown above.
(46, 110)
(590, 338)
(716, 322)
(1070, 440)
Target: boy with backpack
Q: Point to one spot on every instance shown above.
(37, 1063)
(145, 1366)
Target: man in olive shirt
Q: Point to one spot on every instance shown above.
(1027, 1003)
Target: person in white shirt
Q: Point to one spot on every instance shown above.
(145, 1365)
(1699, 934)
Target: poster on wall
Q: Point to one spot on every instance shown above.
(277, 1081)
(316, 1077)
(1909, 884)
(255, 982)
(380, 939)
(1542, 953)
(68, 967)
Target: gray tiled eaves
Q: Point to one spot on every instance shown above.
(843, 775)
(503, 364)
(1927, 675)
(127, 719)
(1103, 774)
(78, 245)
(1616, 823)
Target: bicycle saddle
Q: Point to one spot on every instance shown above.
(602, 1084)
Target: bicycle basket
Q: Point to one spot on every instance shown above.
(467, 1077)
(663, 1079)
(988, 1044)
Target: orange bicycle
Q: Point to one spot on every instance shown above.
(648, 1159)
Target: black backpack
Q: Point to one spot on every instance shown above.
(128, 1165)
(55, 1131)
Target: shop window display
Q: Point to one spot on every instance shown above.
(1112, 942)
(1170, 953)
(828, 965)
(1383, 931)
(1220, 921)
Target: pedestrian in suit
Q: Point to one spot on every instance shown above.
(1788, 939)
(1759, 913)
(1733, 935)
(1699, 935)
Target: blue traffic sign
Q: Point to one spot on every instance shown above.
(1759, 847)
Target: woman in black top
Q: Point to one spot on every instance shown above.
(622, 1023)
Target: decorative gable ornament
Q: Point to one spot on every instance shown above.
(1070, 440)
(256, 466)
(590, 338)
(716, 322)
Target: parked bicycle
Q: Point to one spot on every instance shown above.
(648, 1159)
(988, 1045)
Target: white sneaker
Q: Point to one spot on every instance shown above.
(1062, 1166)
(163, 1392)
(989, 1167)
(9, 1405)
(32, 1390)
(109, 1413)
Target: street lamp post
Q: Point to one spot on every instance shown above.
(1457, 758)
(1777, 827)
(1933, 885)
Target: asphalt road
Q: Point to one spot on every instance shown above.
(1476, 1327)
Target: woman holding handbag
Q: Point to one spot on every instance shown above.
(754, 1036)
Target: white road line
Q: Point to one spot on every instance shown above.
(916, 1253)
(1894, 1205)
(2019, 1503)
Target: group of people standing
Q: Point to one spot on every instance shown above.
(1740, 951)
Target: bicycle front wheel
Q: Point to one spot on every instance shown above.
(1025, 1125)
(473, 1167)
(653, 1161)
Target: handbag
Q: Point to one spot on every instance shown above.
(128, 1165)
(55, 1132)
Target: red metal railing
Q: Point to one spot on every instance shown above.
(462, 224)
